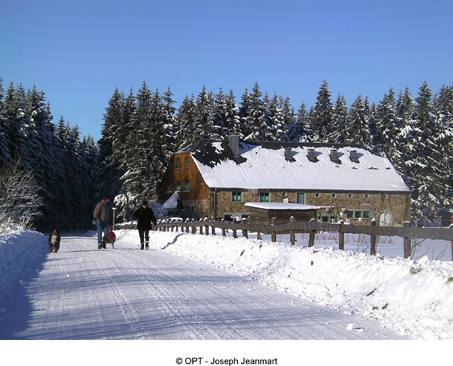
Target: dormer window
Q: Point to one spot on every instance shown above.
(311, 155)
(353, 156)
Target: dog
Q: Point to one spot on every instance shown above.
(54, 241)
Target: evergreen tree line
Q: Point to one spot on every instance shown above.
(142, 131)
(61, 167)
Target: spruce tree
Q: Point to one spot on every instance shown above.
(358, 130)
(322, 118)
(339, 134)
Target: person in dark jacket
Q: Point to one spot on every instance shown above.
(54, 241)
(146, 218)
(101, 216)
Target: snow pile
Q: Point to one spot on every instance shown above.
(19, 249)
(415, 298)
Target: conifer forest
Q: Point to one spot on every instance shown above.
(51, 176)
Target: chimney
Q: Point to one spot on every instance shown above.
(353, 156)
(233, 141)
(288, 153)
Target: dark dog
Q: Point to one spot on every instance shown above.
(54, 241)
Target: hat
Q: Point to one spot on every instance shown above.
(145, 203)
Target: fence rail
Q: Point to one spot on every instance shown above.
(406, 231)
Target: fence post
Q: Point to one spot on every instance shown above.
(245, 233)
(451, 227)
(407, 242)
(292, 232)
(373, 239)
(206, 229)
(194, 229)
(341, 236)
(311, 239)
(274, 234)
(213, 226)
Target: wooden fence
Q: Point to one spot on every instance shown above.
(406, 231)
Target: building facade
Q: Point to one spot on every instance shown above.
(216, 178)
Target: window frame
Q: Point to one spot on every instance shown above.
(187, 186)
(265, 195)
(236, 196)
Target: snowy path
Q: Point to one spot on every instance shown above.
(125, 293)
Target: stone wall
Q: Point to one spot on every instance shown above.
(352, 207)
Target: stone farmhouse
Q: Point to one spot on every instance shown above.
(233, 180)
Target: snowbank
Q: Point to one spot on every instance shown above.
(414, 298)
(19, 249)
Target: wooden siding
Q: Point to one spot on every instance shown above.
(198, 188)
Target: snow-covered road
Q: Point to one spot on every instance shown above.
(125, 293)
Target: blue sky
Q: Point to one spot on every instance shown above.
(78, 52)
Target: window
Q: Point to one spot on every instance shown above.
(367, 195)
(264, 197)
(358, 214)
(170, 187)
(237, 196)
(334, 195)
(178, 163)
(187, 185)
(178, 186)
(186, 163)
(317, 195)
(386, 196)
(350, 195)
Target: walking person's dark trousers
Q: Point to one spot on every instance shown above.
(144, 237)
(102, 227)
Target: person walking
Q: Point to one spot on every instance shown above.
(101, 215)
(145, 217)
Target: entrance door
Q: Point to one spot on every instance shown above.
(385, 219)
(301, 198)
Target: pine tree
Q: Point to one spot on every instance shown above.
(275, 120)
(204, 112)
(358, 130)
(5, 153)
(137, 153)
(322, 118)
(187, 123)
(386, 125)
(219, 118)
(109, 172)
(339, 133)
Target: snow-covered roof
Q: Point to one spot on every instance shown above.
(172, 202)
(282, 206)
(265, 165)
